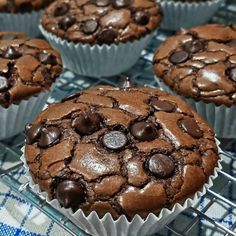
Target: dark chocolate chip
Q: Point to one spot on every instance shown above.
(141, 17)
(107, 36)
(32, 133)
(121, 3)
(101, 3)
(49, 136)
(4, 85)
(47, 58)
(66, 22)
(90, 26)
(114, 140)
(70, 193)
(11, 53)
(231, 72)
(26, 7)
(179, 57)
(232, 43)
(190, 126)
(125, 83)
(162, 105)
(193, 46)
(87, 123)
(144, 131)
(62, 9)
(161, 165)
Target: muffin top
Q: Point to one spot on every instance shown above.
(200, 63)
(22, 6)
(120, 150)
(27, 67)
(102, 21)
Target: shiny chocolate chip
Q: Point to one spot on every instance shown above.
(90, 26)
(161, 165)
(11, 53)
(162, 105)
(121, 3)
(70, 193)
(231, 72)
(114, 140)
(4, 84)
(107, 36)
(101, 3)
(49, 136)
(66, 22)
(232, 43)
(190, 126)
(141, 17)
(32, 133)
(144, 131)
(193, 46)
(87, 123)
(179, 57)
(125, 83)
(62, 9)
(47, 58)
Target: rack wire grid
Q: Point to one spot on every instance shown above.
(215, 214)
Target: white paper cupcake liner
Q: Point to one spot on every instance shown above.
(21, 22)
(97, 60)
(179, 14)
(15, 117)
(220, 118)
(106, 226)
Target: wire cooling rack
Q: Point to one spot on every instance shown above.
(214, 215)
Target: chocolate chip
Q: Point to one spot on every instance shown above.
(66, 22)
(11, 53)
(144, 131)
(47, 58)
(70, 193)
(193, 46)
(178, 57)
(26, 7)
(160, 165)
(49, 136)
(231, 72)
(125, 83)
(121, 3)
(62, 9)
(107, 36)
(114, 140)
(32, 133)
(4, 85)
(232, 43)
(141, 17)
(87, 123)
(90, 26)
(162, 105)
(101, 3)
(190, 126)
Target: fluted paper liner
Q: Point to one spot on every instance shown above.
(106, 226)
(220, 118)
(16, 116)
(179, 14)
(21, 22)
(97, 60)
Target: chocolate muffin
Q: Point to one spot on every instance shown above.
(27, 67)
(125, 151)
(102, 21)
(19, 6)
(200, 63)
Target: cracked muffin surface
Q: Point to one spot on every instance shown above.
(200, 63)
(120, 150)
(102, 21)
(27, 67)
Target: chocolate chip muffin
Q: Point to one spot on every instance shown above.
(16, 6)
(27, 67)
(125, 151)
(102, 21)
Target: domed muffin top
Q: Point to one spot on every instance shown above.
(120, 150)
